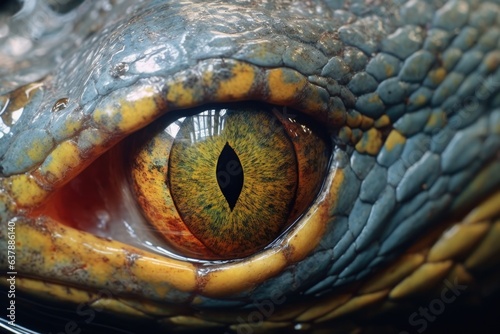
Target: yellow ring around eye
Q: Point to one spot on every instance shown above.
(176, 178)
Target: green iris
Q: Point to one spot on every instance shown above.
(233, 178)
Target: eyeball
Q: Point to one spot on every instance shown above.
(225, 182)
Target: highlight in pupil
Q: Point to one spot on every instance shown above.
(229, 175)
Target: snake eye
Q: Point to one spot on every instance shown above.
(225, 182)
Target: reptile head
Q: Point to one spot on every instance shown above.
(359, 143)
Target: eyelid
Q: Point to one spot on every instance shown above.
(100, 123)
(239, 277)
(116, 115)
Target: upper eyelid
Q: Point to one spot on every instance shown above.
(117, 73)
(128, 109)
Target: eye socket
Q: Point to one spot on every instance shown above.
(224, 182)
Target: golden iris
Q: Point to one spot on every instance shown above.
(263, 157)
(225, 182)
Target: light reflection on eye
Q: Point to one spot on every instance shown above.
(174, 128)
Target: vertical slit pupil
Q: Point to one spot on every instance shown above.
(229, 175)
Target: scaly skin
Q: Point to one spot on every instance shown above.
(407, 93)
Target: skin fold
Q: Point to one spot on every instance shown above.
(397, 230)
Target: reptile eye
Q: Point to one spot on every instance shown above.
(225, 182)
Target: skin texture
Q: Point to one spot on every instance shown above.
(409, 103)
